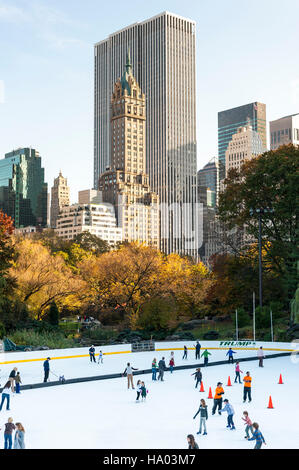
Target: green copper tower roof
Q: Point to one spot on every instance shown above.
(128, 71)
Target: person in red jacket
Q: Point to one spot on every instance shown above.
(171, 364)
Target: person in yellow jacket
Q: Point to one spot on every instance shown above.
(218, 398)
(247, 387)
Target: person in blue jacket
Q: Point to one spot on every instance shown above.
(257, 436)
(46, 369)
(230, 413)
(230, 353)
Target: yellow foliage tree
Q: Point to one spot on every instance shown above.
(42, 277)
(125, 278)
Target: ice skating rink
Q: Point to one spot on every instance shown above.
(104, 414)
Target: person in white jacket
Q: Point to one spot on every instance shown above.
(260, 355)
(129, 373)
(6, 394)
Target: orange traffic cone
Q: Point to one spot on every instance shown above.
(201, 387)
(270, 405)
(229, 382)
(280, 380)
(210, 393)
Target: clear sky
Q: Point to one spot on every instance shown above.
(246, 51)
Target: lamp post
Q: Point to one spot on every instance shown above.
(260, 211)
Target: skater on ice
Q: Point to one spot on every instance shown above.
(230, 353)
(248, 424)
(138, 385)
(260, 355)
(100, 359)
(143, 391)
(18, 382)
(257, 436)
(197, 350)
(230, 413)
(129, 373)
(171, 364)
(19, 442)
(154, 369)
(6, 394)
(12, 376)
(203, 410)
(185, 355)
(9, 428)
(198, 376)
(162, 368)
(92, 353)
(247, 387)
(46, 366)
(206, 355)
(218, 398)
(237, 371)
(191, 442)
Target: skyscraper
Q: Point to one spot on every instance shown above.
(245, 144)
(163, 57)
(60, 196)
(23, 191)
(126, 185)
(230, 120)
(208, 183)
(284, 131)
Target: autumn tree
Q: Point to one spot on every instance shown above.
(42, 278)
(186, 282)
(124, 278)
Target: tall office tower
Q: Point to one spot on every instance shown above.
(126, 184)
(245, 144)
(229, 121)
(163, 53)
(60, 196)
(23, 191)
(284, 131)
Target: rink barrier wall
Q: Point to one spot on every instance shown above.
(159, 347)
(146, 371)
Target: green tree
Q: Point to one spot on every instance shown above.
(269, 181)
(90, 242)
(156, 314)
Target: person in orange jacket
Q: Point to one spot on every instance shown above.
(247, 387)
(218, 398)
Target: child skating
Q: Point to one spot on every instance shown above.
(143, 391)
(248, 424)
(138, 385)
(171, 364)
(198, 376)
(100, 359)
(18, 382)
(237, 371)
(203, 410)
(230, 413)
(257, 436)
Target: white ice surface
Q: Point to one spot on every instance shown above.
(104, 414)
(32, 372)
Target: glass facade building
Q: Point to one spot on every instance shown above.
(229, 121)
(23, 192)
(162, 52)
(208, 183)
